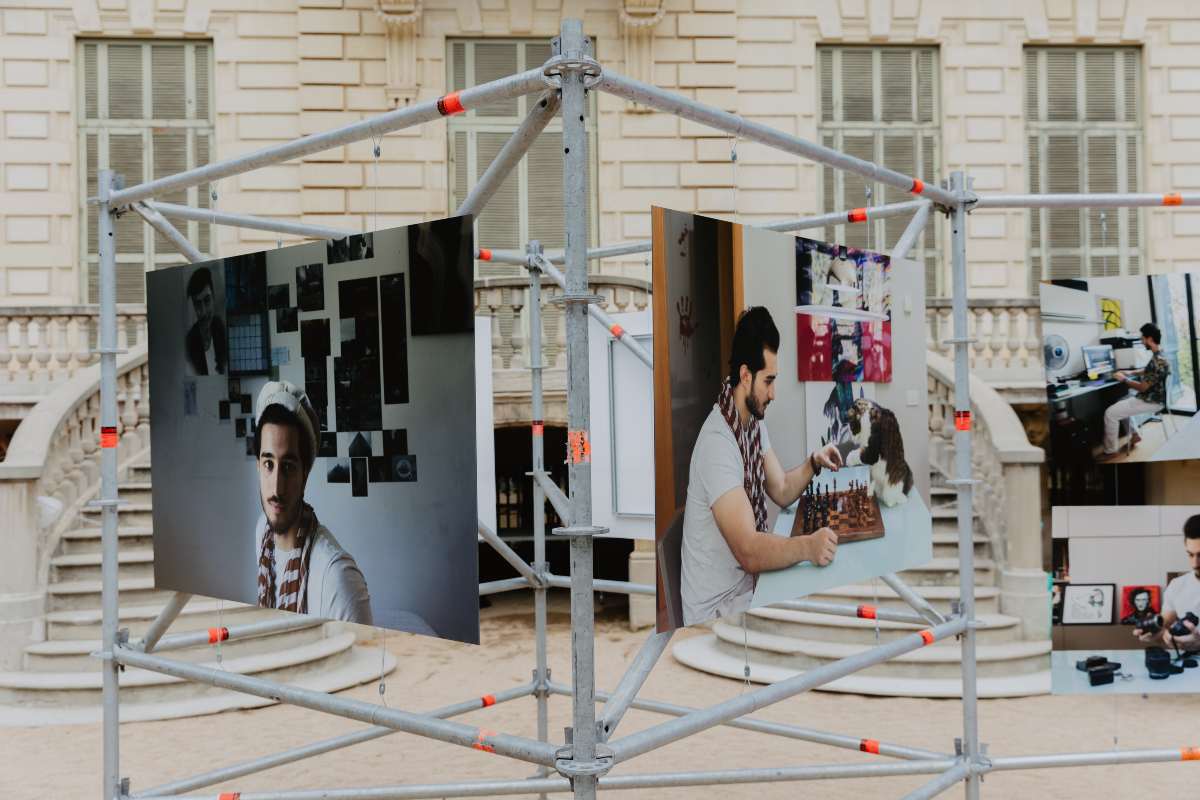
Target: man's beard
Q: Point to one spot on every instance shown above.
(286, 520)
(753, 407)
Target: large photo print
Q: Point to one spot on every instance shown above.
(791, 438)
(314, 440)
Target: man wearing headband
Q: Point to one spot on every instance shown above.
(301, 567)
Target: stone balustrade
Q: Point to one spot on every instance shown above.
(1007, 352)
(45, 345)
(1007, 495)
(51, 470)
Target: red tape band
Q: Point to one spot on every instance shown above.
(538, 428)
(485, 254)
(962, 420)
(229, 796)
(1190, 754)
(581, 448)
(217, 635)
(108, 436)
(1172, 199)
(866, 612)
(869, 746)
(927, 635)
(488, 700)
(450, 104)
(617, 331)
(857, 215)
(481, 743)
(918, 186)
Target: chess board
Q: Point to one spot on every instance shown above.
(848, 526)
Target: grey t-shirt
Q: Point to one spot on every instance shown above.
(1183, 595)
(713, 583)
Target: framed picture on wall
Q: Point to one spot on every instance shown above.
(1056, 602)
(1140, 603)
(1089, 603)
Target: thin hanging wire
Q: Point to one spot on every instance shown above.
(382, 669)
(220, 624)
(746, 653)
(733, 159)
(376, 143)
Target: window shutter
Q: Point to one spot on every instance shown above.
(896, 90)
(826, 57)
(500, 221)
(169, 152)
(494, 60)
(460, 184)
(1100, 76)
(547, 223)
(203, 84)
(168, 90)
(858, 97)
(926, 81)
(1062, 88)
(125, 81)
(203, 192)
(91, 75)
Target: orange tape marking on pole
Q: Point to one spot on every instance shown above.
(866, 612)
(481, 741)
(1190, 754)
(617, 331)
(869, 746)
(857, 215)
(539, 429)
(962, 420)
(450, 104)
(229, 796)
(1172, 199)
(108, 436)
(927, 635)
(488, 700)
(918, 186)
(581, 448)
(217, 635)
(485, 254)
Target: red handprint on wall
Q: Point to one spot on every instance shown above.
(687, 327)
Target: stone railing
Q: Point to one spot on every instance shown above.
(1007, 495)
(51, 470)
(506, 300)
(1007, 352)
(44, 345)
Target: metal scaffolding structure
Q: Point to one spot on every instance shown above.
(590, 750)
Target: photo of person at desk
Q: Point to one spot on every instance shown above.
(1150, 392)
(733, 471)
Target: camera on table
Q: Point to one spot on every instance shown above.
(1099, 669)
(1179, 629)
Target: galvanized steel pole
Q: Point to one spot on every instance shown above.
(911, 232)
(1098, 200)
(245, 221)
(631, 682)
(163, 621)
(159, 223)
(110, 610)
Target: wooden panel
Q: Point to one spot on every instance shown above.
(664, 473)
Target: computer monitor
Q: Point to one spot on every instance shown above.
(1099, 358)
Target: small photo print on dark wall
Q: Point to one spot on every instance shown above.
(310, 287)
(337, 251)
(339, 471)
(314, 338)
(279, 296)
(441, 257)
(239, 427)
(362, 245)
(395, 333)
(286, 320)
(395, 442)
(328, 447)
(358, 477)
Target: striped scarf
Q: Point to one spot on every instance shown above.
(293, 595)
(749, 440)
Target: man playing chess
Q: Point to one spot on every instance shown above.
(732, 473)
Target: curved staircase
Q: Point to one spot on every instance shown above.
(61, 681)
(780, 641)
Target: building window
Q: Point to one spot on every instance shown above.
(881, 104)
(529, 204)
(146, 111)
(1083, 127)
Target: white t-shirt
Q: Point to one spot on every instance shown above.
(210, 357)
(1183, 595)
(281, 559)
(712, 582)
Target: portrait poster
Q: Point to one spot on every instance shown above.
(320, 457)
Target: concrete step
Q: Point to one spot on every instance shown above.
(782, 621)
(200, 613)
(131, 563)
(987, 598)
(940, 661)
(703, 653)
(87, 539)
(944, 572)
(945, 544)
(134, 491)
(80, 595)
(74, 689)
(353, 667)
(136, 514)
(139, 471)
(75, 655)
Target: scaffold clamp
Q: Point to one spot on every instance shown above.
(571, 769)
(580, 530)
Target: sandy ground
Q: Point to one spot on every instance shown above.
(64, 762)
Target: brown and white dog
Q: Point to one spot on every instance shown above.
(877, 433)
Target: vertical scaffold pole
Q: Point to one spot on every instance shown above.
(579, 761)
(108, 485)
(541, 675)
(962, 476)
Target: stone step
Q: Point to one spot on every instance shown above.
(132, 563)
(75, 689)
(87, 540)
(949, 512)
(139, 472)
(944, 572)
(135, 514)
(1006, 659)
(987, 598)
(782, 621)
(79, 595)
(703, 653)
(134, 491)
(200, 613)
(945, 544)
(75, 655)
(351, 668)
